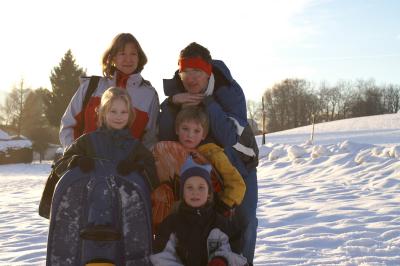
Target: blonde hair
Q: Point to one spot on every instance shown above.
(107, 99)
(118, 43)
(195, 114)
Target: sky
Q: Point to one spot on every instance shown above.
(334, 201)
(262, 42)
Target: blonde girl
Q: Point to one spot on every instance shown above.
(112, 142)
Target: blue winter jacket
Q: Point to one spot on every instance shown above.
(104, 144)
(226, 109)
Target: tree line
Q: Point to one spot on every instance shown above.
(296, 102)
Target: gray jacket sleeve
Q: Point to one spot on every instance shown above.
(218, 245)
(168, 256)
(150, 136)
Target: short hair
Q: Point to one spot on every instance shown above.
(196, 114)
(196, 50)
(107, 98)
(118, 43)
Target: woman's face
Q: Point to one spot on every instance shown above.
(194, 80)
(127, 59)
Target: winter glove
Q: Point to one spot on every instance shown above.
(125, 167)
(86, 164)
(218, 261)
(224, 209)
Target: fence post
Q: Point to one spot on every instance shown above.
(312, 132)
(263, 120)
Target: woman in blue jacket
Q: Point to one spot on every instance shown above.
(201, 80)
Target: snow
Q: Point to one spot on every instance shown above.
(15, 144)
(6, 142)
(4, 135)
(23, 233)
(330, 201)
(383, 130)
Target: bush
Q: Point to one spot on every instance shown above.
(15, 149)
(23, 155)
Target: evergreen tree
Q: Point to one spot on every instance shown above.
(64, 81)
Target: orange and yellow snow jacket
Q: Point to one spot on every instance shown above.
(169, 157)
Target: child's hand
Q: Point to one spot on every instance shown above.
(125, 167)
(86, 164)
(224, 209)
(187, 99)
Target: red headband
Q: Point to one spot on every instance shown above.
(194, 62)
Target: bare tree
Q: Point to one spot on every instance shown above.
(252, 109)
(289, 104)
(14, 106)
(346, 94)
(7, 112)
(330, 98)
(391, 96)
(254, 114)
(271, 115)
(35, 125)
(367, 99)
(293, 102)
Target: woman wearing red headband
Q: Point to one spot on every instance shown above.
(201, 80)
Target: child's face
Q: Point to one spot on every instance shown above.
(127, 59)
(118, 115)
(190, 134)
(195, 191)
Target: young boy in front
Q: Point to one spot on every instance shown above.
(196, 234)
(191, 127)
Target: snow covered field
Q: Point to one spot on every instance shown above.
(334, 202)
(23, 233)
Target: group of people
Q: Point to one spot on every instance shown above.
(196, 151)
